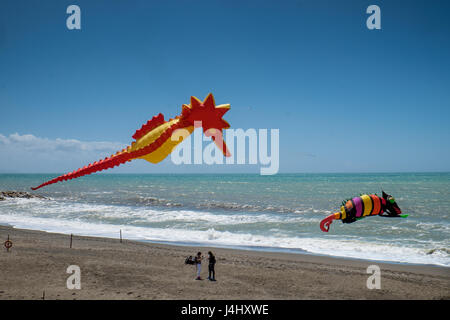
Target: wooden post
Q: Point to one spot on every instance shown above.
(43, 295)
(120, 235)
(71, 236)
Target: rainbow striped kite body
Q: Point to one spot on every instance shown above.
(363, 206)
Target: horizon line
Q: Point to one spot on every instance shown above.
(228, 173)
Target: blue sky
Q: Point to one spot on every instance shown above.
(345, 98)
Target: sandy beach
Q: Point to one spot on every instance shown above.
(36, 266)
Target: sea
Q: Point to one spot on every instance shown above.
(243, 211)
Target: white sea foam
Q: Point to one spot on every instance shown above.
(37, 207)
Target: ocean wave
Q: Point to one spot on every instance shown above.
(134, 215)
(153, 201)
(433, 226)
(439, 251)
(234, 206)
(150, 201)
(229, 206)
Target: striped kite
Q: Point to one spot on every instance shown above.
(365, 205)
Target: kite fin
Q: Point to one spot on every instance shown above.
(149, 126)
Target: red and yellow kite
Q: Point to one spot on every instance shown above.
(154, 140)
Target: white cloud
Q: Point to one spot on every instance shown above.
(3, 139)
(29, 142)
(28, 153)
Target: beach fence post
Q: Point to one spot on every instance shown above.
(120, 235)
(71, 237)
(43, 295)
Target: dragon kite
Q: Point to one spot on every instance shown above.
(157, 138)
(365, 205)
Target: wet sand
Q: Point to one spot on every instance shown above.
(38, 261)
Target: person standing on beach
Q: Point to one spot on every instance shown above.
(212, 263)
(198, 263)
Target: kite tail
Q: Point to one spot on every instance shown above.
(121, 157)
(106, 163)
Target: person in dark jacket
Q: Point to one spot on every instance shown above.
(212, 263)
